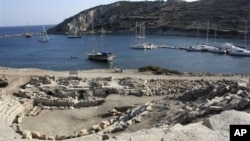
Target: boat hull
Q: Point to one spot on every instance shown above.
(144, 46)
(43, 41)
(28, 35)
(243, 54)
(137, 47)
(74, 36)
(101, 56)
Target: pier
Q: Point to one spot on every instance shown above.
(18, 35)
(171, 47)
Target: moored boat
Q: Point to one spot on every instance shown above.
(27, 35)
(44, 36)
(140, 38)
(199, 47)
(242, 52)
(237, 50)
(207, 47)
(145, 45)
(99, 55)
(217, 50)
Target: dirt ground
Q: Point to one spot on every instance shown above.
(65, 122)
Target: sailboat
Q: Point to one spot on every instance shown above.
(96, 55)
(44, 36)
(140, 38)
(239, 51)
(205, 46)
(27, 34)
(76, 32)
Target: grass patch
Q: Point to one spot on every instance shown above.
(158, 70)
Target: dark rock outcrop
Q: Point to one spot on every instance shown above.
(3, 84)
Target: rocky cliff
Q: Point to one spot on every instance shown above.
(172, 17)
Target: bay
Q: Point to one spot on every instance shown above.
(21, 52)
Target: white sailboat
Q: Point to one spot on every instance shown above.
(239, 51)
(206, 47)
(43, 35)
(76, 31)
(96, 55)
(140, 38)
(27, 34)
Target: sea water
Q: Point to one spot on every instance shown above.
(62, 53)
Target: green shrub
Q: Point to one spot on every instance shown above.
(158, 70)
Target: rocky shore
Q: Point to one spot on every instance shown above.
(106, 105)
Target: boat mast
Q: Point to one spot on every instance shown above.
(102, 41)
(207, 31)
(75, 27)
(245, 34)
(92, 38)
(136, 33)
(215, 34)
(26, 28)
(78, 31)
(141, 35)
(143, 32)
(45, 33)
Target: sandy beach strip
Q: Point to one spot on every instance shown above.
(132, 73)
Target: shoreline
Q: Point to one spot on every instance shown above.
(133, 73)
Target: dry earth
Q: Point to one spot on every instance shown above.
(65, 122)
(61, 122)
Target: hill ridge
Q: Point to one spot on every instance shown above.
(173, 18)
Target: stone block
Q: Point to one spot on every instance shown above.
(222, 121)
(27, 135)
(35, 134)
(96, 127)
(243, 103)
(83, 132)
(111, 121)
(105, 137)
(44, 137)
(149, 108)
(104, 124)
(137, 119)
(129, 122)
(19, 119)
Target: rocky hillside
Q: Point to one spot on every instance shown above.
(172, 17)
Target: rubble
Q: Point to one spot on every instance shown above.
(185, 101)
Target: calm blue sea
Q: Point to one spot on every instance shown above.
(21, 52)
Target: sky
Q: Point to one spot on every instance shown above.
(43, 12)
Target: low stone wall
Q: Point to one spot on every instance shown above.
(54, 101)
(194, 98)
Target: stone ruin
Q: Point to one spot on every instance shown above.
(4, 81)
(195, 98)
